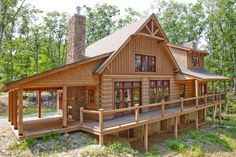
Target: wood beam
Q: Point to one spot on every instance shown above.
(220, 110)
(213, 114)
(146, 137)
(148, 30)
(213, 91)
(151, 36)
(101, 139)
(196, 92)
(39, 104)
(14, 122)
(156, 32)
(176, 127)
(197, 119)
(20, 112)
(225, 89)
(64, 112)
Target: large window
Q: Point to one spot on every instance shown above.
(159, 89)
(144, 63)
(127, 94)
(195, 61)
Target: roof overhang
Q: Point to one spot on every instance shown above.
(15, 84)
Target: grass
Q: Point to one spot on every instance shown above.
(33, 110)
(198, 143)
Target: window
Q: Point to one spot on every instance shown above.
(182, 90)
(195, 61)
(159, 89)
(127, 94)
(144, 63)
(91, 95)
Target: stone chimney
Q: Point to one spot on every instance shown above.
(191, 44)
(76, 37)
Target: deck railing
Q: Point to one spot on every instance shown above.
(136, 109)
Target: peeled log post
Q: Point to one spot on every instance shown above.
(64, 111)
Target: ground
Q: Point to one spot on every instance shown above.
(210, 140)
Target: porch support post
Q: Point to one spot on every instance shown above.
(20, 112)
(58, 101)
(196, 119)
(64, 111)
(146, 137)
(196, 92)
(10, 107)
(213, 91)
(14, 114)
(176, 127)
(39, 104)
(225, 90)
(101, 139)
(213, 114)
(205, 114)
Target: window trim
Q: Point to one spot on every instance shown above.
(91, 95)
(148, 63)
(157, 86)
(123, 88)
(194, 57)
(184, 87)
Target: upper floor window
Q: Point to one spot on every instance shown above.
(144, 63)
(195, 61)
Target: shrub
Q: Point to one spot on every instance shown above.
(119, 148)
(176, 145)
(26, 143)
(94, 151)
(153, 151)
(51, 135)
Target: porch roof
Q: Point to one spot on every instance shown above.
(202, 74)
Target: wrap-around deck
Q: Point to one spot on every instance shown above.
(137, 116)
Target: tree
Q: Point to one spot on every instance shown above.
(181, 22)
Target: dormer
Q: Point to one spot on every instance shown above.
(188, 56)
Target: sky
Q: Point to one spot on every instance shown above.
(70, 5)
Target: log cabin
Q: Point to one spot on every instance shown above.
(132, 83)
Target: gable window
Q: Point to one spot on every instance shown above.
(195, 61)
(91, 95)
(145, 63)
(159, 90)
(182, 90)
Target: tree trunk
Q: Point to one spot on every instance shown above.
(234, 73)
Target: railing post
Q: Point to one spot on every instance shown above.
(81, 116)
(182, 104)
(101, 123)
(162, 108)
(136, 112)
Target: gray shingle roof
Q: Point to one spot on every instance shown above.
(201, 73)
(115, 40)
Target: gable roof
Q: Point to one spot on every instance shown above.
(115, 41)
(14, 84)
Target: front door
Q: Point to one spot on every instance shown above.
(91, 97)
(126, 94)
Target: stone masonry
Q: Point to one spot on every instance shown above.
(76, 38)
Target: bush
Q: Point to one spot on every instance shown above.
(26, 143)
(94, 151)
(176, 145)
(52, 135)
(118, 148)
